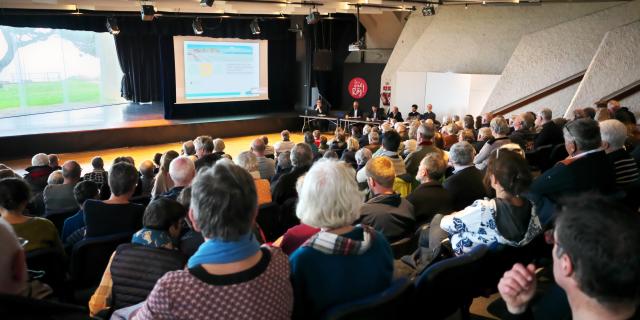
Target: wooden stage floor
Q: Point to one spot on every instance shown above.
(233, 145)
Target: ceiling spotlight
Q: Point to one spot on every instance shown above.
(429, 10)
(77, 12)
(255, 27)
(206, 3)
(197, 26)
(112, 26)
(148, 12)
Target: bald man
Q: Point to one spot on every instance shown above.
(182, 171)
(59, 197)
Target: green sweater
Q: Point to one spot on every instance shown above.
(40, 232)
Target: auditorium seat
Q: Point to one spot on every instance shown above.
(268, 220)
(389, 304)
(449, 286)
(58, 218)
(404, 246)
(89, 259)
(54, 265)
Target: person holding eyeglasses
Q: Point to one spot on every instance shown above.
(586, 168)
(597, 270)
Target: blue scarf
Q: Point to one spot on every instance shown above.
(219, 251)
(153, 238)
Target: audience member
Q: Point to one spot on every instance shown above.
(181, 170)
(341, 263)
(188, 148)
(269, 151)
(285, 144)
(450, 135)
(283, 165)
(191, 239)
(316, 137)
(430, 198)
(98, 175)
(386, 211)
(38, 172)
(362, 157)
(349, 154)
(266, 166)
(116, 214)
(589, 112)
(163, 182)
(602, 114)
(39, 232)
(507, 219)
(297, 235)
(204, 152)
(83, 191)
(330, 154)
(625, 168)
(55, 178)
(425, 146)
(339, 143)
(597, 270)
(59, 197)
(285, 187)
(586, 168)
(364, 138)
(311, 141)
(374, 142)
(465, 185)
(147, 177)
(323, 147)
(218, 147)
(550, 132)
(466, 135)
(249, 162)
(484, 135)
(499, 131)
(126, 281)
(230, 267)
(156, 162)
(54, 162)
(524, 134)
(14, 300)
(390, 144)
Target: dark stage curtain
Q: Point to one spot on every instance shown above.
(139, 61)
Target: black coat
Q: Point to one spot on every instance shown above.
(429, 199)
(397, 116)
(465, 187)
(551, 134)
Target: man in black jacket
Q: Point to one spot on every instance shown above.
(394, 113)
(551, 133)
(586, 168)
(285, 187)
(465, 185)
(376, 114)
(355, 113)
(430, 198)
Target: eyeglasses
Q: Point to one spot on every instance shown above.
(568, 127)
(549, 238)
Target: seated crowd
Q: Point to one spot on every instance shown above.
(200, 248)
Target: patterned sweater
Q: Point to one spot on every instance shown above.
(261, 292)
(476, 224)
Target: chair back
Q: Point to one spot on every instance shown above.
(90, 257)
(143, 200)
(52, 262)
(269, 221)
(449, 285)
(59, 217)
(389, 304)
(558, 153)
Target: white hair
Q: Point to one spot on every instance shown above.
(462, 153)
(40, 159)
(363, 156)
(329, 196)
(55, 177)
(247, 160)
(499, 126)
(374, 137)
(9, 245)
(614, 133)
(366, 129)
(182, 170)
(218, 145)
(353, 144)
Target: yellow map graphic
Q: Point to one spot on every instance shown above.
(206, 69)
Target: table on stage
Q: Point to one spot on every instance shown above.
(345, 122)
(308, 118)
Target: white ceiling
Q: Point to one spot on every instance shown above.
(193, 6)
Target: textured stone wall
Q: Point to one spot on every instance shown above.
(615, 65)
(553, 54)
(477, 40)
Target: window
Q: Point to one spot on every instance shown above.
(53, 69)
